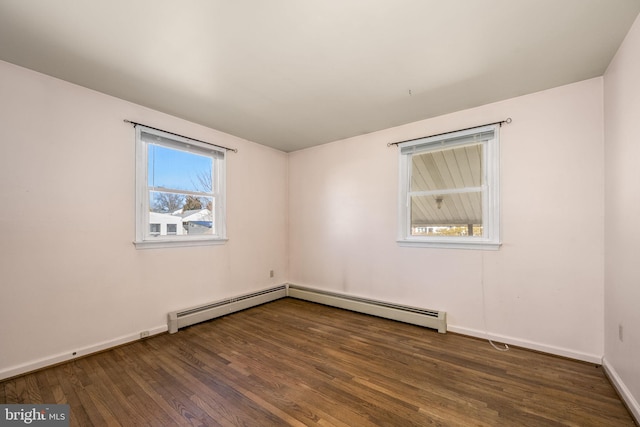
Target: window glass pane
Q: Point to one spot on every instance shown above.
(453, 168)
(166, 202)
(179, 170)
(190, 214)
(457, 214)
(197, 217)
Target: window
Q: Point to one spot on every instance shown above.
(180, 190)
(154, 229)
(449, 190)
(172, 229)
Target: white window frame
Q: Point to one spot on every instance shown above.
(144, 239)
(490, 240)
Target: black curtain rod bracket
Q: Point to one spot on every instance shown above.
(235, 150)
(507, 121)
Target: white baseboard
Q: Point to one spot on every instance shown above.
(623, 391)
(74, 354)
(415, 315)
(531, 345)
(201, 313)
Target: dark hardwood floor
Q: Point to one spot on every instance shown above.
(291, 362)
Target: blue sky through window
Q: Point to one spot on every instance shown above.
(176, 169)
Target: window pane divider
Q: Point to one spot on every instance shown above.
(447, 191)
(185, 192)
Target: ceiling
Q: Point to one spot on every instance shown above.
(292, 74)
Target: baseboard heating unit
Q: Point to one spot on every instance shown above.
(202, 313)
(417, 316)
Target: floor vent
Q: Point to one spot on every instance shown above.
(428, 318)
(201, 313)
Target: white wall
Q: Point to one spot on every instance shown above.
(543, 288)
(70, 277)
(622, 207)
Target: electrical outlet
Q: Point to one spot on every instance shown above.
(144, 334)
(271, 273)
(620, 332)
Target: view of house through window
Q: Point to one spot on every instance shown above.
(180, 188)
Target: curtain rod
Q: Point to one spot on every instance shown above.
(235, 150)
(507, 121)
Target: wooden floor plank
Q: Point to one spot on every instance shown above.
(296, 363)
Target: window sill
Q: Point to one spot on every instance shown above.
(171, 243)
(448, 244)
